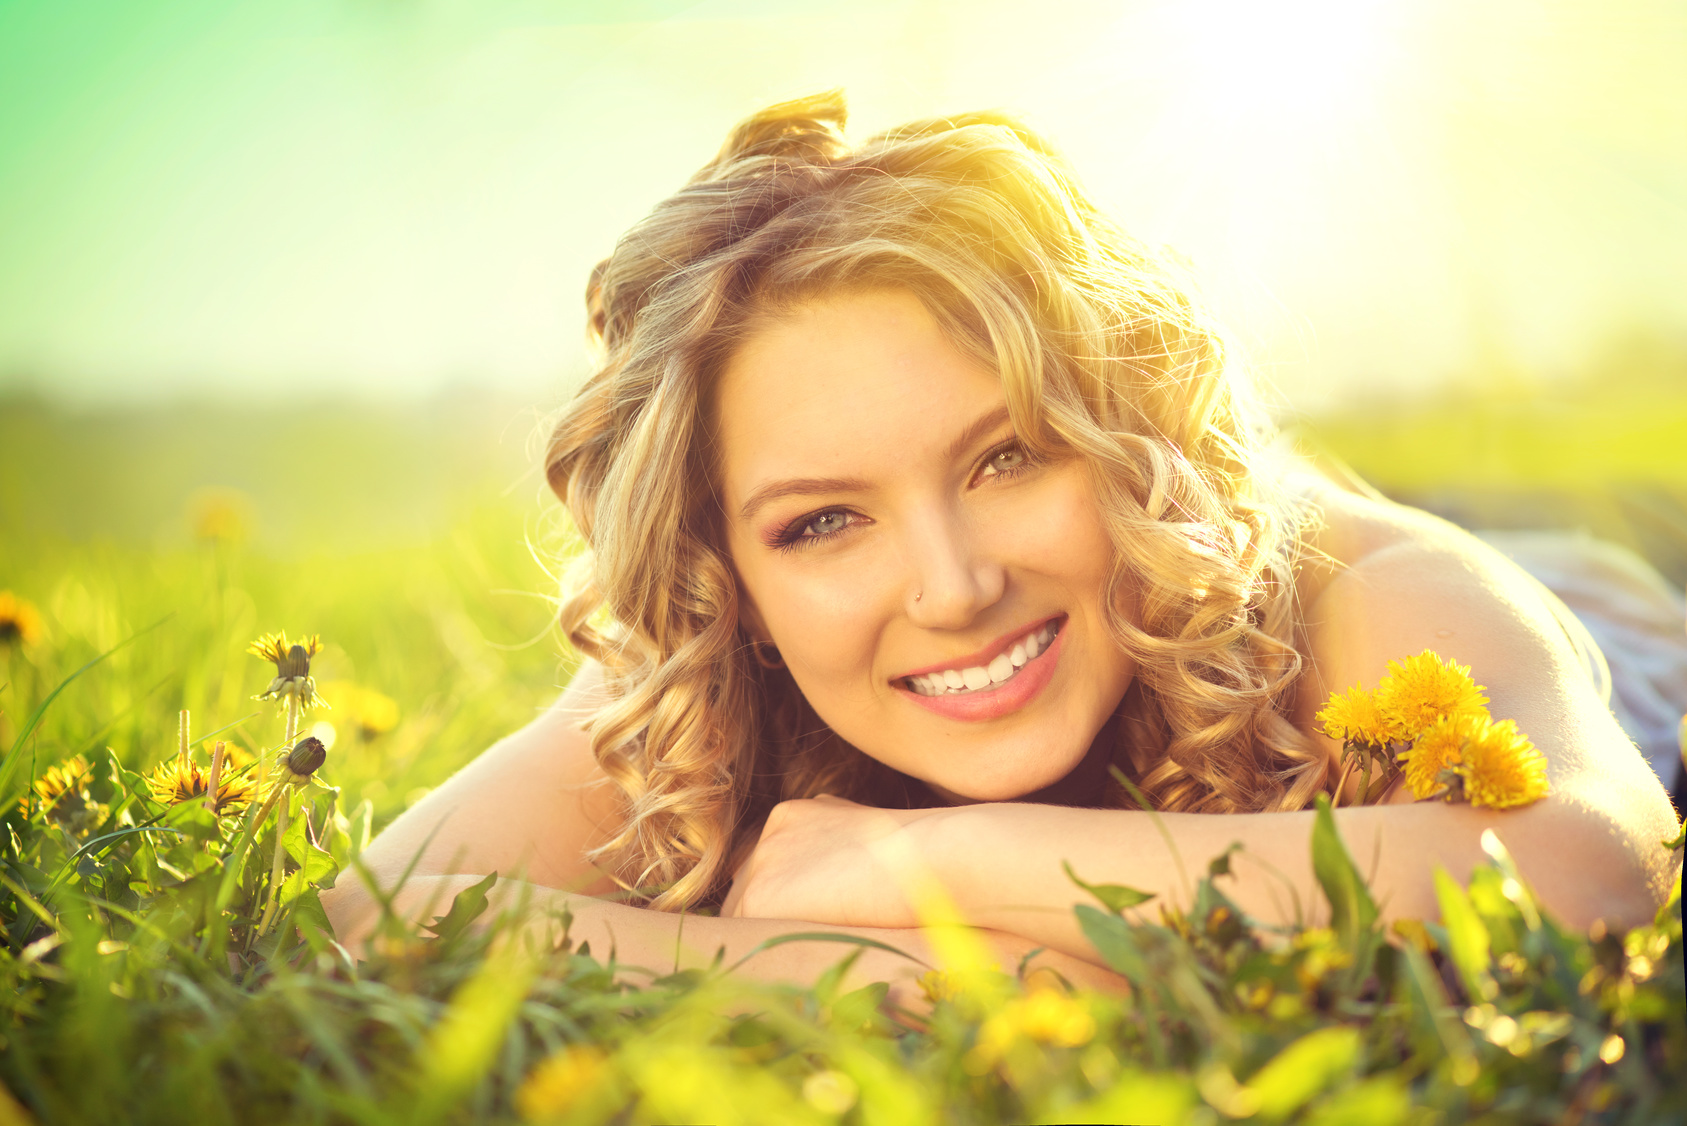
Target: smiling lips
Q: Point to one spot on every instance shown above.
(995, 687)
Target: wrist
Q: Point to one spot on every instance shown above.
(955, 843)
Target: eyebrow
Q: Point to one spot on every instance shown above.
(981, 426)
(813, 486)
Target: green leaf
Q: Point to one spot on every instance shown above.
(466, 906)
(862, 1010)
(1352, 911)
(1436, 1018)
(826, 985)
(192, 818)
(1134, 1096)
(1381, 1100)
(1500, 917)
(1115, 897)
(1680, 841)
(1220, 864)
(1467, 938)
(1307, 1067)
(317, 864)
(312, 920)
(1111, 936)
(1512, 885)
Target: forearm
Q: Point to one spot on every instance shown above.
(1579, 871)
(655, 943)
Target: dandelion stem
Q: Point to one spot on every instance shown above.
(292, 729)
(1347, 760)
(275, 867)
(1365, 774)
(214, 777)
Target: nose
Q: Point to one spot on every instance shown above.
(953, 576)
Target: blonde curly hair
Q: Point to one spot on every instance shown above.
(1102, 354)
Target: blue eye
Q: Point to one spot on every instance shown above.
(805, 531)
(1006, 461)
(826, 523)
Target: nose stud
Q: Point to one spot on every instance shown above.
(919, 594)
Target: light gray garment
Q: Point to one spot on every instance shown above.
(1635, 618)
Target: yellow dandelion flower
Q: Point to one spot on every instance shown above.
(275, 648)
(1501, 768)
(371, 713)
(1421, 690)
(61, 792)
(20, 621)
(67, 777)
(1353, 717)
(1052, 1017)
(292, 667)
(1479, 761)
(1437, 749)
(561, 1083)
(939, 986)
(1045, 1016)
(221, 515)
(177, 780)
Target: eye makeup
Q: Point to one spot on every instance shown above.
(794, 536)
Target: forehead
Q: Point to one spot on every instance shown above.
(836, 386)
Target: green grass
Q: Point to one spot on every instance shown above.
(1535, 444)
(137, 984)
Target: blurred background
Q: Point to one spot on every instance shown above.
(285, 288)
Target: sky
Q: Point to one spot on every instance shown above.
(262, 200)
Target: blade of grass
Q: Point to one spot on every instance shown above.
(1159, 823)
(824, 936)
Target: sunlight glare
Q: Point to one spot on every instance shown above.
(1271, 70)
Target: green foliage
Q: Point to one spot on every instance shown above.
(137, 983)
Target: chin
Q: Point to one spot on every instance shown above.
(1002, 791)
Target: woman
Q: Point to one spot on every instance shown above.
(917, 498)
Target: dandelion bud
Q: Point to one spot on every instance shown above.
(295, 663)
(306, 756)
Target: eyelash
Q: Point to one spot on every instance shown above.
(791, 538)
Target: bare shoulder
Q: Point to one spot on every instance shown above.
(533, 803)
(1384, 582)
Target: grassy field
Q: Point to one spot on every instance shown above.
(141, 982)
(1612, 462)
(413, 542)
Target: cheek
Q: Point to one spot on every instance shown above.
(823, 619)
(1058, 531)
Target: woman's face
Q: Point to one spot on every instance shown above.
(936, 595)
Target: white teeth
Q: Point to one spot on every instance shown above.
(1002, 668)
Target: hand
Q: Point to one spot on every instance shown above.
(829, 860)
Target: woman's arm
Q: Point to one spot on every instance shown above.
(529, 808)
(655, 943)
(1591, 849)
